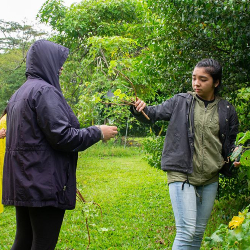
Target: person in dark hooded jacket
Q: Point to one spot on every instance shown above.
(42, 144)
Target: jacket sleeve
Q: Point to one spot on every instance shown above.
(228, 141)
(156, 113)
(53, 118)
(233, 127)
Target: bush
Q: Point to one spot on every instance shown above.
(153, 148)
(232, 236)
(240, 185)
(232, 187)
(236, 235)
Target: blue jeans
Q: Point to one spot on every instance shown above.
(191, 213)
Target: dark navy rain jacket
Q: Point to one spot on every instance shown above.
(43, 136)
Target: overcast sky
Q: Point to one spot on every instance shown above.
(20, 10)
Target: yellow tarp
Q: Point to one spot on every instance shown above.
(2, 152)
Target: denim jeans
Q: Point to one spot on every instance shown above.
(191, 213)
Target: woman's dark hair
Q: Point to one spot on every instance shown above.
(213, 68)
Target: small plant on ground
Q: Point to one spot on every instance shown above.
(236, 234)
(233, 236)
(88, 212)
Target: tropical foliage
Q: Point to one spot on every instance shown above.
(154, 43)
(11, 75)
(15, 39)
(233, 236)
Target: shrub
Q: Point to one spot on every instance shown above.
(232, 236)
(153, 148)
(240, 185)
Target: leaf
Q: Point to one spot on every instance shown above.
(236, 153)
(245, 138)
(117, 92)
(218, 236)
(239, 136)
(245, 158)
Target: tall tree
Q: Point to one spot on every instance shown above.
(167, 38)
(16, 35)
(15, 39)
(102, 37)
(196, 29)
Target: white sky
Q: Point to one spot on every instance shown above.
(24, 10)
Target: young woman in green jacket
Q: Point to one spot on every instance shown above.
(201, 134)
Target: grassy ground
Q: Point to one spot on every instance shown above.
(134, 201)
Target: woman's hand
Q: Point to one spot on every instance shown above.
(2, 133)
(108, 132)
(236, 162)
(139, 105)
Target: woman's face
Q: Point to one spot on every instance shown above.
(203, 84)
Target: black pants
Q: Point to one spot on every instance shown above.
(37, 228)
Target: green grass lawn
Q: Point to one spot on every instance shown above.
(134, 201)
(133, 198)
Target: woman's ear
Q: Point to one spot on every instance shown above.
(216, 83)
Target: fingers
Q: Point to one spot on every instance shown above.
(2, 133)
(108, 132)
(114, 131)
(140, 105)
(237, 164)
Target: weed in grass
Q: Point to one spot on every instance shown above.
(224, 210)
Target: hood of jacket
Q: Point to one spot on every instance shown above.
(44, 60)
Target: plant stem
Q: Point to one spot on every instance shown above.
(87, 226)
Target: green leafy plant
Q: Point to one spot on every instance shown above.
(233, 236)
(153, 148)
(88, 212)
(240, 184)
(243, 108)
(236, 235)
(114, 107)
(153, 44)
(243, 154)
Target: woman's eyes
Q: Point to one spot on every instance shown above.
(203, 80)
